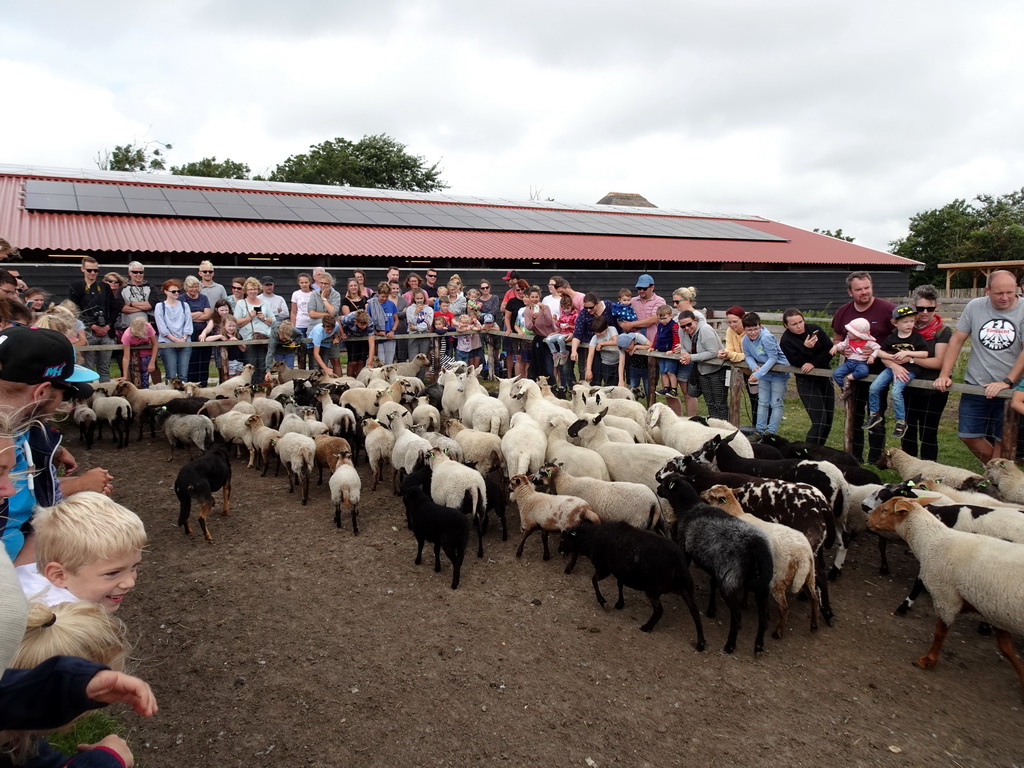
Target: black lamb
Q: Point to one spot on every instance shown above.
(639, 560)
(446, 528)
(737, 556)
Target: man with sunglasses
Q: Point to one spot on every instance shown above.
(37, 373)
(211, 290)
(430, 286)
(98, 309)
(645, 304)
(136, 297)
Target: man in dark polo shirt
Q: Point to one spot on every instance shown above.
(878, 312)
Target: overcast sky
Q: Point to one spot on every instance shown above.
(816, 114)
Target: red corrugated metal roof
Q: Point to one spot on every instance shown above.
(98, 233)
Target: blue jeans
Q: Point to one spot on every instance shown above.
(176, 362)
(667, 365)
(771, 397)
(288, 357)
(899, 409)
(858, 368)
(556, 342)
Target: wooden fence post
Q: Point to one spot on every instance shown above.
(848, 404)
(735, 395)
(1011, 425)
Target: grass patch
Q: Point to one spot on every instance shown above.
(88, 729)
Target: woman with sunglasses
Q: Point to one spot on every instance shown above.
(174, 324)
(925, 406)
(808, 346)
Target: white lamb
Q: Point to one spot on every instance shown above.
(688, 436)
(632, 503)
(631, 463)
(231, 428)
(262, 439)
(480, 410)
(513, 404)
(616, 406)
(425, 415)
(297, 453)
(577, 460)
(379, 442)
(547, 513)
(188, 429)
(483, 449)
(345, 488)
(338, 418)
(792, 556)
(410, 449)
(910, 466)
(523, 446)
(1008, 479)
(962, 571)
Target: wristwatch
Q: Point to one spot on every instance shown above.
(1009, 382)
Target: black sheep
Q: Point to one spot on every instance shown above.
(639, 560)
(791, 450)
(446, 528)
(737, 556)
(197, 481)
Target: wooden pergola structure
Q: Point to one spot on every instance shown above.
(985, 268)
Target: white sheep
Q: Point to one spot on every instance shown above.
(297, 453)
(345, 488)
(479, 410)
(293, 422)
(627, 409)
(363, 402)
(425, 415)
(231, 428)
(229, 386)
(483, 449)
(962, 571)
(410, 369)
(632, 503)
(443, 443)
(577, 460)
(410, 449)
(631, 463)
(117, 412)
(453, 394)
(524, 445)
(188, 429)
(262, 439)
(271, 411)
(513, 404)
(547, 513)
(534, 402)
(379, 442)
(792, 556)
(313, 425)
(450, 485)
(688, 436)
(366, 375)
(140, 398)
(1007, 478)
(910, 466)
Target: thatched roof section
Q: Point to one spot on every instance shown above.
(626, 198)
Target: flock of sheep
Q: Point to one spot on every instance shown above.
(641, 492)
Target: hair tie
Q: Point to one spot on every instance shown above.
(52, 621)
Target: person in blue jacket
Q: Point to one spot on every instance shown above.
(762, 353)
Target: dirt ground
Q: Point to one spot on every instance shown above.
(290, 642)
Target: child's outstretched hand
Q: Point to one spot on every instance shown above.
(835, 348)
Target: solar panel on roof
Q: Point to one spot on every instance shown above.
(356, 207)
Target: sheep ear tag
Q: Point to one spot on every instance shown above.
(672, 485)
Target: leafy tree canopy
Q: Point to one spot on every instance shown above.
(986, 229)
(212, 168)
(138, 156)
(377, 162)
(838, 234)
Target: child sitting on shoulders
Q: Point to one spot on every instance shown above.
(667, 340)
(622, 310)
(88, 548)
(565, 324)
(900, 348)
(84, 631)
(860, 350)
(140, 350)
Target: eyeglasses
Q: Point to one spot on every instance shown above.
(173, 290)
(205, 271)
(925, 309)
(91, 271)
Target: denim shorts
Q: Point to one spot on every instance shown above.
(981, 416)
(667, 365)
(683, 371)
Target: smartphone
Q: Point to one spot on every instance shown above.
(259, 308)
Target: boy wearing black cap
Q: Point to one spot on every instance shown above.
(901, 346)
(38, 372)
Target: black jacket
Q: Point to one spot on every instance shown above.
(95, 304)
(799, 355)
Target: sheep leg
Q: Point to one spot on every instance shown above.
(291, 479)
(202, 519)
(779, 593)
(734, 624)
(456, 555)
(908, 601)
(822, 584)
(337, 516)
(226, 493)
(883, 567)
(687, 594)
(480, 538)
(1005, 643)
(762, 620)
(355, 525)
(376, 477)
(419, 550)
(712, 591)
(655, 599)
(572, 562)
(544, 538)
(837, 566)
(320, 478)
(597, 590)
(931, 658)
(526, 535)
(437, 557)
(305, 486)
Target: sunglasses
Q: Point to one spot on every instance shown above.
(174, 290)
(926, 309)
(113, 282)
(591, 308)
(687, 327)
(431, 276)
(133, 272)
(236, 287)
(92, 271)
(205, 271)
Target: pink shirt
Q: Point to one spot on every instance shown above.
(135, 341)
(646, 309)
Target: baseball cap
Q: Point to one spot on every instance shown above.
(903, 310)
(510, 275)
(36, 355)
(625, 339)
(488, 318)
(266, 280)
(644, 281)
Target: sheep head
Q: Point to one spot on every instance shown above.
(721, 496)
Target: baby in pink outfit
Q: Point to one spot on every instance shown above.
(860, 350)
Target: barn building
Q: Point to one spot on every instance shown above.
(170, 223)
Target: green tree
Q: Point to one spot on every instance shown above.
(985, 229)
(138, 156)
(377, 162)
(838, 234)
(212, 168)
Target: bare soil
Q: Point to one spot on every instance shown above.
(290, 642)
